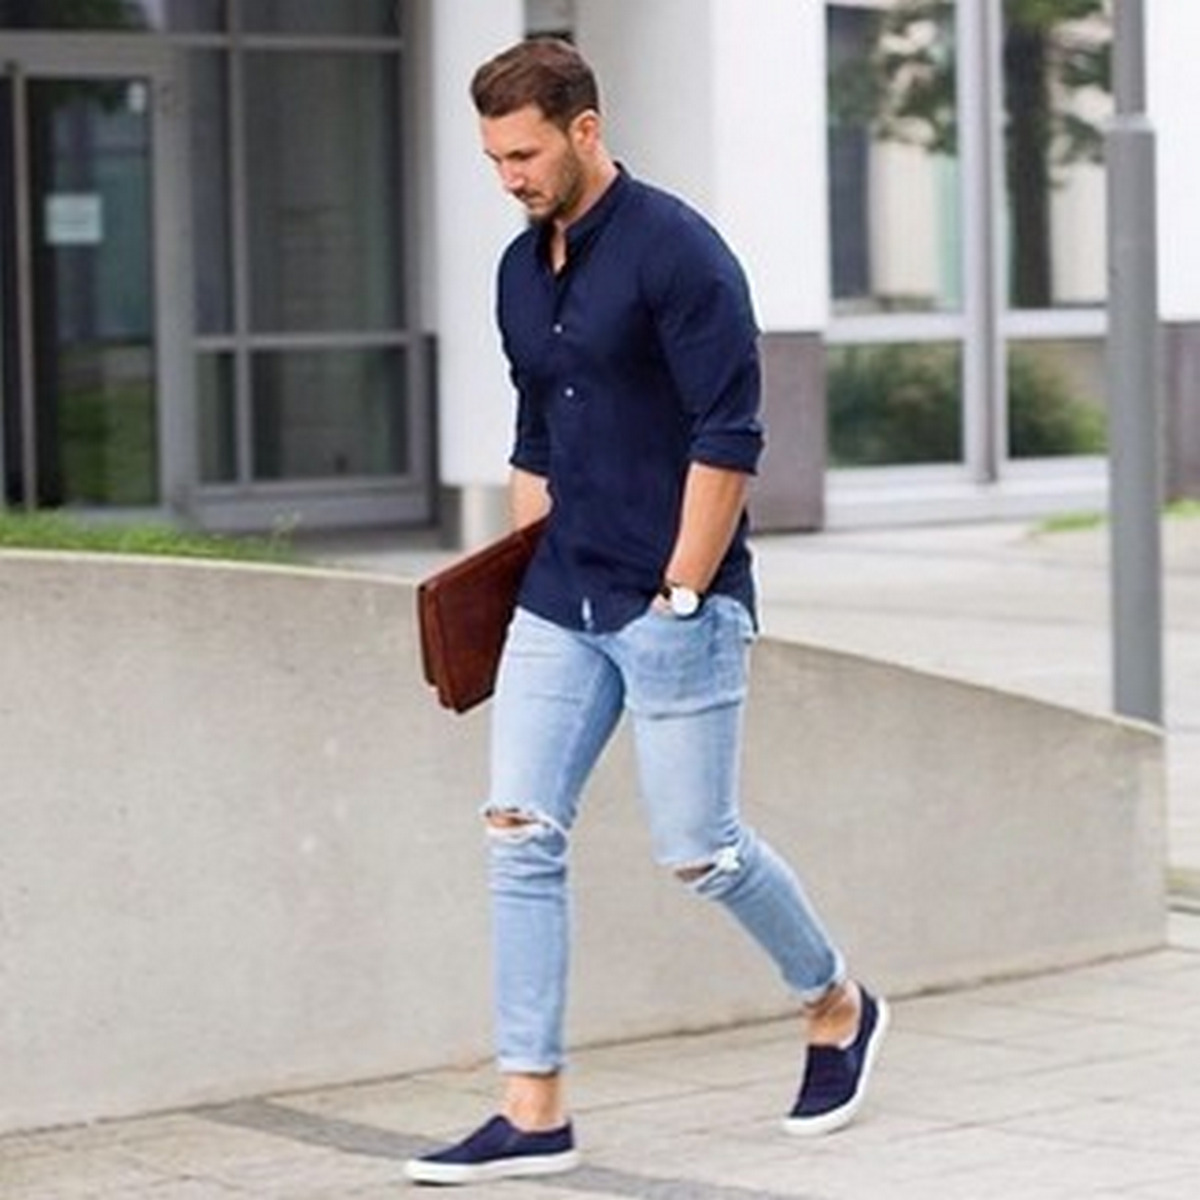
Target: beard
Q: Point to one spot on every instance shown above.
(563, 197)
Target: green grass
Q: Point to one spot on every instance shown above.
(1067, 522)
(1183, 508)
(56, 531)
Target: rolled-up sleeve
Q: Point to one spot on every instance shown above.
(709, 336)
(531, 436)
(531, 439)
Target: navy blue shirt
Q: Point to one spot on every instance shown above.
(635, 360)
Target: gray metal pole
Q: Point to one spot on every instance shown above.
(1135, 451)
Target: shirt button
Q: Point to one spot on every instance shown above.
(558, 327)
(569, 392)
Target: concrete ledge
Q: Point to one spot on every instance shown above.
(240, 850)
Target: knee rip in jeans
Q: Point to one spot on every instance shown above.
(726, 861)
(508, 823)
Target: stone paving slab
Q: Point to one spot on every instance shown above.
(1070, 1085)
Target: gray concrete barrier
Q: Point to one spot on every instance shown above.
(239, 849)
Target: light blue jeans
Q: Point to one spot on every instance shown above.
(558, 698)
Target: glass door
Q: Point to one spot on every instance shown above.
(77, 286)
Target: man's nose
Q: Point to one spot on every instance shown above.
(512, 179)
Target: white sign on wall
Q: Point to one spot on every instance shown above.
(74, 219)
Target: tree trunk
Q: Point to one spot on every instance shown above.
(1029, 179)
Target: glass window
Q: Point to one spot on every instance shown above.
(123, 15)
(107, 435)
(208, 125)
(1057, 93)
(356, 17)
(328, 413)
(218, 418)
(893, 165)
(92, 292)
(185, 16)
(894, 403)
(323, 191)
(1056, 398)
(96, 151)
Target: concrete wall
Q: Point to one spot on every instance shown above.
(239, 850)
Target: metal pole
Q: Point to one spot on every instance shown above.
(1134, 371)
(980, 97)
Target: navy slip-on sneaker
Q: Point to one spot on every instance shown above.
(835, 1080)
(497, 1150)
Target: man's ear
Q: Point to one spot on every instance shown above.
(586, 129)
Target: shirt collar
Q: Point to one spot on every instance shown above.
(580, 232)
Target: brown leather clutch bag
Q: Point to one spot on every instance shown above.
(463, 613)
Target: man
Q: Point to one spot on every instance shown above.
(632, 344)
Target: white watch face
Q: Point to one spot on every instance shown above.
(684, 601)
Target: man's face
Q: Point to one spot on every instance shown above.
(538, 163)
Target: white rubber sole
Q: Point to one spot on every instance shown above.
(423, 1171)
(839, 1118)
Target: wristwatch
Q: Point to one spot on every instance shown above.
(684, 601)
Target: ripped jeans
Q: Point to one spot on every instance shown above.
(559, 696)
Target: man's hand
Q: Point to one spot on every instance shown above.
(528, 498)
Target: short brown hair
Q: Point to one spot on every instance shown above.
(543, 71)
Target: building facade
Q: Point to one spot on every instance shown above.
(247, 248)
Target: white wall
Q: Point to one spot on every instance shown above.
(725, 104)
(471, 223)
(654, 63)
(1172, 50)
(770, 139)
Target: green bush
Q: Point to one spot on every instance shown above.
(1046, 417)
(901, 403)
(894, 404)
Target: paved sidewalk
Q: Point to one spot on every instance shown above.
(1079, 1085)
